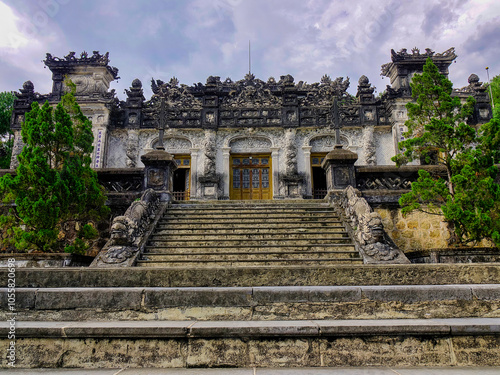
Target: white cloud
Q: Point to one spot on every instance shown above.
(11, 38)
(193, 39)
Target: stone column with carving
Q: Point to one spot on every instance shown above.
(291, 179)
(158, 173)
(100, 139)
(369, 150)
(275, 156)
(308, 177)
(209, 181)
(226, 153)
(132, 148)
(22, 104)
(194, 173)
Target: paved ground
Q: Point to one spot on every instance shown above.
(281, 371)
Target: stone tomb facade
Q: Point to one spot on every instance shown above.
(246, 139)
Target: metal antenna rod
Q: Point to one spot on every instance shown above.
(336, 122)
(491, 92)
(249, 58)
(162, 123)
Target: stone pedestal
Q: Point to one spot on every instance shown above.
(339, 167)
(158, 173)
(292, 186)
(209, 187)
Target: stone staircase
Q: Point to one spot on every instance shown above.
(289, 316)
(249, 233)
(253, 284)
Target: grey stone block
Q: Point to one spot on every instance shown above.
(80, 298)
(335, 294)
(292, 294)
(382, 327)
(254, 329)
(192, 297)
(417, 293)
(24, 298)
(489, 292)
(474, 326)
(129, 329)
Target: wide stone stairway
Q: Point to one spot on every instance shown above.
(249, 233)
(253, 285)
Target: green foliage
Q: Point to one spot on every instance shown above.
(495, 90)
(54, 186)
(465, 194)
(6, 106)
(83, 241)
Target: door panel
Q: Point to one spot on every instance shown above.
(250, 177)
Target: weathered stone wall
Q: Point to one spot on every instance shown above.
(443, 350)
(416, 231)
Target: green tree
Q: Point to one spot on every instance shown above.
(465, 194)
(54, 188)
(6, 105)
(495, 90)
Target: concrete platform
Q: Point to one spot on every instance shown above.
(255, 329)
(339, 275)
(263, 371)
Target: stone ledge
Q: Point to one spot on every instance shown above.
(255, 329)
(154, 298)
(341, 275)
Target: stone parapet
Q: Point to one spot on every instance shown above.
(257, 303)
(170, 344)
(382, 274)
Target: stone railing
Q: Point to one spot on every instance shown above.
(129, 233)
(366, 228)
(390, 177)
(385, 184)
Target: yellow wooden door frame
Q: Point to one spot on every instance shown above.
(261, 193)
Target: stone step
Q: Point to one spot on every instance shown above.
(221, 243)
(187, 224)
(254, 203)
(250, 215)
(338, 275)
(160, 236)
(188, 249)
(257, 303)
(169, 230)
(268, 262)
(261, 255)
(274, 208)
(206, 344)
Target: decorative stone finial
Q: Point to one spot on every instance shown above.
(363, 80)
(473, 78)
(136, 84)
(28, 86)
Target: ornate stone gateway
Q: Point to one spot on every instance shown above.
(250, 177)
(318, 176)
(275, 128)
(182, 178)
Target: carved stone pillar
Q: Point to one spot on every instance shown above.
(339, 167)
(158, 173)
(132, 148)
(226, 152)
(307, 163)
(17, 149)
(100, 138)
(194, 173)
(369, 150)
(275, 170)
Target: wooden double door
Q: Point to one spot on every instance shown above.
(250, 177)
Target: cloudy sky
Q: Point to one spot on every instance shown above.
(192, 39)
